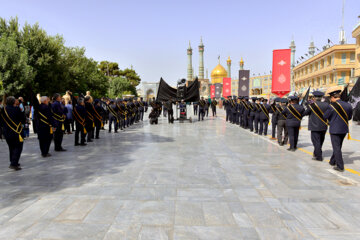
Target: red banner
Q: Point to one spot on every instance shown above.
(281, 72)
(212, 91)
(226, 87)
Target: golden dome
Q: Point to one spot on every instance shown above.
(218, 71)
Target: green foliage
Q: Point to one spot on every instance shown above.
(31, 59)
(120, 86)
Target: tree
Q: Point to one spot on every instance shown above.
(15, 72)
(110, 69)
(120, 86)
(131, 76)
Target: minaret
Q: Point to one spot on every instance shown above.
(312, 49)
(228, 62)
(201, 59)
(241, 64)
(189, 68)
(293, 49)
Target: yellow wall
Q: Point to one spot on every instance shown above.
(356, 35)
(265, 85)
(325, 69)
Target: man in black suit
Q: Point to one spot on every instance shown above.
(12, 120)
(294, 113)
(45, 126)
(317, 124)
(59, 118)
(338, 114)
(264, 117)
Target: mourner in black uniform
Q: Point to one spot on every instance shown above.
(97, 110)
(238, 107)
(80, 117)
(196, 106)
(338, 114)
(12, 121)
(227, 105)
(274, 119)
(113, 116)
(257, 115)
(246, 112)
(207, 105)
(294, 113)
(169, 106)
(233, 108)
(281, 122)
(213, 107)
(45, 127)
(317, 124)
(90, 121)
(59, 118)
(264, 117)
(253, 110)
(241, 112)
(202, 106)
(142, 105)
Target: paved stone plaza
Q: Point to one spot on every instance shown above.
(204, 180)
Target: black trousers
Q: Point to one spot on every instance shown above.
(264, 123)
(90, 131)
(79, 130)
(58, 137)
(256, 121)
(245, 121)
(336, 142)
(251, 123)
(196, 110)
(228, 115)
(96, 130)
(15, 149)
(234, 116)
(207, 112)
(170, 116)
(273, 129)
(142, 115)
(113, 120)
(293, 136)
(44, 142)
(281, 128)
(317, 139)
(202, 114)
(213, 109)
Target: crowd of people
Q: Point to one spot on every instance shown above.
(286, 114)
(52, 118)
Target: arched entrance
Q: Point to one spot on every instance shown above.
(149, 94)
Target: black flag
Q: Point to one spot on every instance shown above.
(344, 94)
(306, 98)
(354, 97)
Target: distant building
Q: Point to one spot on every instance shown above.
(149, 90)
(260, 85)
(333, 66)
(234, 87)
(356, 35)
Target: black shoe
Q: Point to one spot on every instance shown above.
(83, 144)
(317, 159)
(89, 140)
(62, 150)
(281, 144)
(291, 149)
(46, 155)
(76, 144)
(338, 169)
(97, 138)
(16, 168)
(332, 164)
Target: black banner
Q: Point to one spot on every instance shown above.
(218, 90)
(165, 92)
(244, 76)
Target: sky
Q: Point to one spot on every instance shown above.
(153, 35)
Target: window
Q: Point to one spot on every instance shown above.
(332, 59)
(352, 57)
(343, 58)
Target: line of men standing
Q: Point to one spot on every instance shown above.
(50, 120)
(287, 114)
